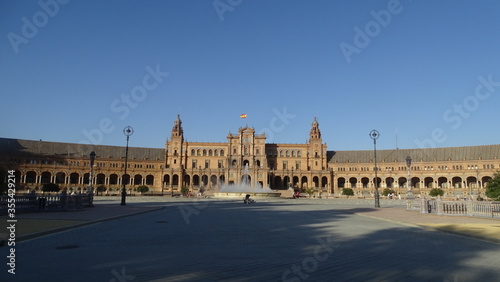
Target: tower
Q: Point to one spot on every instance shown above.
(316, 148)
(176, 147)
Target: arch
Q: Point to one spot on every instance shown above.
(353, 181)
(246, 162)
(187, 180)
(30, 177)
(213, 180)
(472, 182)
(303, 182)
(295, 181)
(100, 178)
(73, 178)
(216, 152)
(204, 152)
(113, 179)
(415, 182)
(234, 163)
(45, 177)
(198, 153)
(166, 179)
(443, 182)
(341, 182)
(485, 180)
(377, 182)
(204, 180)
(137, 179)
(86, 177)
(60, 177)
(286, 181)
(210, 152)
(175, 180)
(222, 179)
(193, 152)
(429, 182)
(316, 181)
(402, 182)
(324, 181)
(150, 179)
(277, 182)
(257, 163)
(222, 153)
(126, 179)
(456, 182)
(365, 181)
(196, 180)
(389, 182)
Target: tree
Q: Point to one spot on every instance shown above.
(387, 191)
(100, 188)
(436, 192)
(184, 190)
(310, 191)
(142, 189)
(50, 187)
(347, 192)
(493, 187)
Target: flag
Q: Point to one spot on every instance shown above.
(243, 116)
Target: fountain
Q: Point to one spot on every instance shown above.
(240, 190)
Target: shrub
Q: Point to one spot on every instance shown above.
(142, 189)
(387, 191)
(310, 191)
(100, 188)
(347, 192)
(436, 192)
(184, 190)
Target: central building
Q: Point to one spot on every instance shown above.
(277, 166)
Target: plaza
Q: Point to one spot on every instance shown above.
(179, 239)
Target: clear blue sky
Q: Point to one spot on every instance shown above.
(417, 70)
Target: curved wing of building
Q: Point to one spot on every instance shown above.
(460, 171)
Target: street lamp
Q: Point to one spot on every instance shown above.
(127, 131)
(91, 176)
(409, 194)
(374, 135)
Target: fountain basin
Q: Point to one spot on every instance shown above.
(241, 195)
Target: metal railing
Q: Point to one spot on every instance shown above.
(42, 202)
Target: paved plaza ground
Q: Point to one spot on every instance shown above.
(175, 239)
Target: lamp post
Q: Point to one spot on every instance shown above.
(374, 135)
(127, 131)
(409, 194)
(91, 176)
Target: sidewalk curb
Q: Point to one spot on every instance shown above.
(430, 228)
(78, 225)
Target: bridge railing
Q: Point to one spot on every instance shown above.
(460, 208)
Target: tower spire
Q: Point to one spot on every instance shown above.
(177, 129)
(315, 133)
